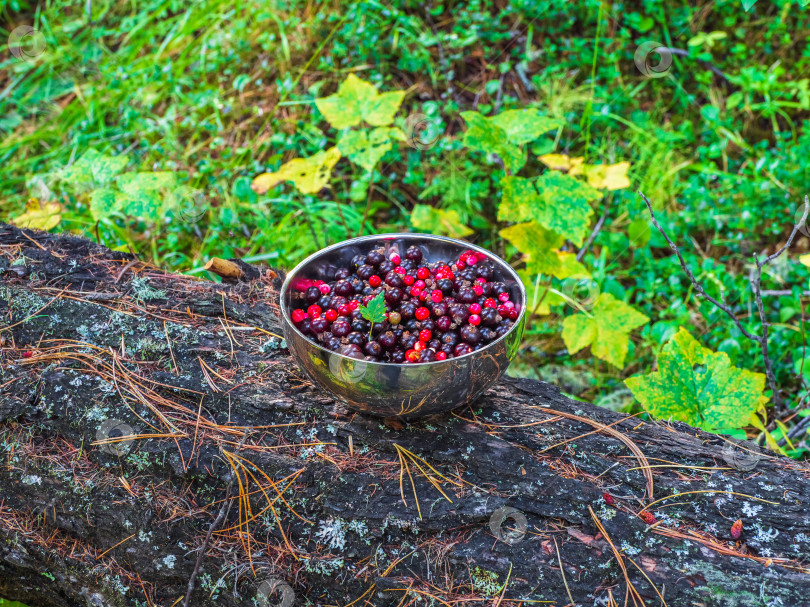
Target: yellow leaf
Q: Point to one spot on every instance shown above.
(561, 162)
(39, 215)
(805, 260)
(608, 176)
(310, 175)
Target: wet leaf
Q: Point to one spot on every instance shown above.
(561, 162)
(524, 126)
(309, 175)
(485, 135)
(39, 215)
(698, 386)
(607, 176)
(538, 245)
(606, 329)
(558, 202)
(94, 169)
(439, 221)
(357, 100)
(366, 148)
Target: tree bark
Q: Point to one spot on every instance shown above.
(131, 398)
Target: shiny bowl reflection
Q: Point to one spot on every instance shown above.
(406, 391)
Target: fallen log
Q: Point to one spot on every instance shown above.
(148, 418)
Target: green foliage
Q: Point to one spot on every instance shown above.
(524, 155)
(699, 387)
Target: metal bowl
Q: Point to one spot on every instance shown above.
(406, 391)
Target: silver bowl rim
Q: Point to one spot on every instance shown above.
(388, 236)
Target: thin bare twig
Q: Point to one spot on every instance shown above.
(595, 232)
(756, 284)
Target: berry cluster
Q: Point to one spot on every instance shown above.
(434, 311)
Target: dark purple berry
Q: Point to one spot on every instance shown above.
(414, 254)
(373, 348)
(341, 328)
(470, 334)
(312, 294)
(443, 323)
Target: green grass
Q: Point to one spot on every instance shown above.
(217, 93)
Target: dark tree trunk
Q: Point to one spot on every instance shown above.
(343, 509)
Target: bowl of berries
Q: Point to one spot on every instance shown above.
(403, 325)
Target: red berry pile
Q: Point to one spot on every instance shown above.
(433, 311)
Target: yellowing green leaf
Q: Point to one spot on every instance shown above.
(561, 162)
(569, 266)
(439, 221)
(483, 134)
(144, 194)
(524, 126)
(606, 329)
(93, 169)
(365, 147)
(539, 298)
(805, 260)
(309, 175)
(699, 387)
(607, 176)
(39, 215)
(560, 203)
(357, 100)
(538, 245)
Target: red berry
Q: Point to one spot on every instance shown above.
(412, 355)
(317, 283)
(422, 313)
(395, 259)
(436, 296)
(374, 281)
(736, 529)
(29, 353)
(330, 315)
(423, 273)
(479, 290)
(400, 270)
(408, 279)
(647, 517)
(490, 303)
(513, 313)
(367, 299)
(474, 308)
(419, 346)
(608, 499)
(471, 259)
(440, 355)
(460, 265)
(344, 310)
(297, 316)
(423, 295)
(419, 283)
(314, 311)
(415, 291)
(425, 335)
(324, 289)
(353, 304)
(480, 280)
(504, 296)
(474, 320)
(503, 310)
